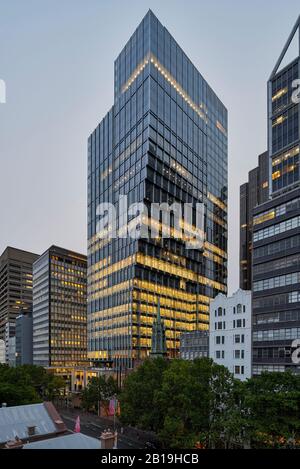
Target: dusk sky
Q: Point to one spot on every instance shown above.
(56, 57)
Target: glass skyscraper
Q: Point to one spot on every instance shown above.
(163, 141)
(276, 225)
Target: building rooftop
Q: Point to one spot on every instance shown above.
(16, 421)
(73, 441)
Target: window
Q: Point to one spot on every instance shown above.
(236, 370)
(237, 339)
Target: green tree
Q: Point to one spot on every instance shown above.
(14, 395)
(201, 402)
(28, 383)
(227, 426)
(273, 402)
(138, 398)
(98, 390)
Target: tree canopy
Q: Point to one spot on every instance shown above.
(98, 390)
(28, 384)
(200, 404)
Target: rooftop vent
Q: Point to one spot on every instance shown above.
(31, 430)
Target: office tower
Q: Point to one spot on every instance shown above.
(252, 193)
(276, 225)
(15, 288)
(24, 345)
(230, 333)
(194, 345)
(59, 309)
(163, 141)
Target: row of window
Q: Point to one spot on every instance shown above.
(259, 369)
(237, 339)
(272, 318)
(277, 300)
(276, 282)
(272, 352)
(277, 229)
(236, 324)
(276, 334)
(277, 247)
(277, 211)
(236, 310)
(282, 263)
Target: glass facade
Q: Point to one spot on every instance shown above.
(163, 141)
(284, 126)
(276, 237)
(252, 193)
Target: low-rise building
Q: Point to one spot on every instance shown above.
(194, 344)
(28, 423)
(230, 332)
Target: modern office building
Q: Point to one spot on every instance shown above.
(163, 141)
(60, 309)
(194, 345)
(252, 193)
(24, 341)
(276, 225)
(15, 288)
(230, 333)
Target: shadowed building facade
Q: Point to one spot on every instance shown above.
(15, 289)
(252, 193)
(163, 141)
(276, 225)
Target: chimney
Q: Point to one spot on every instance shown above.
(31, 430)
(108, 439)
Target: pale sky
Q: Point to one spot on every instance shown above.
(56, 57)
